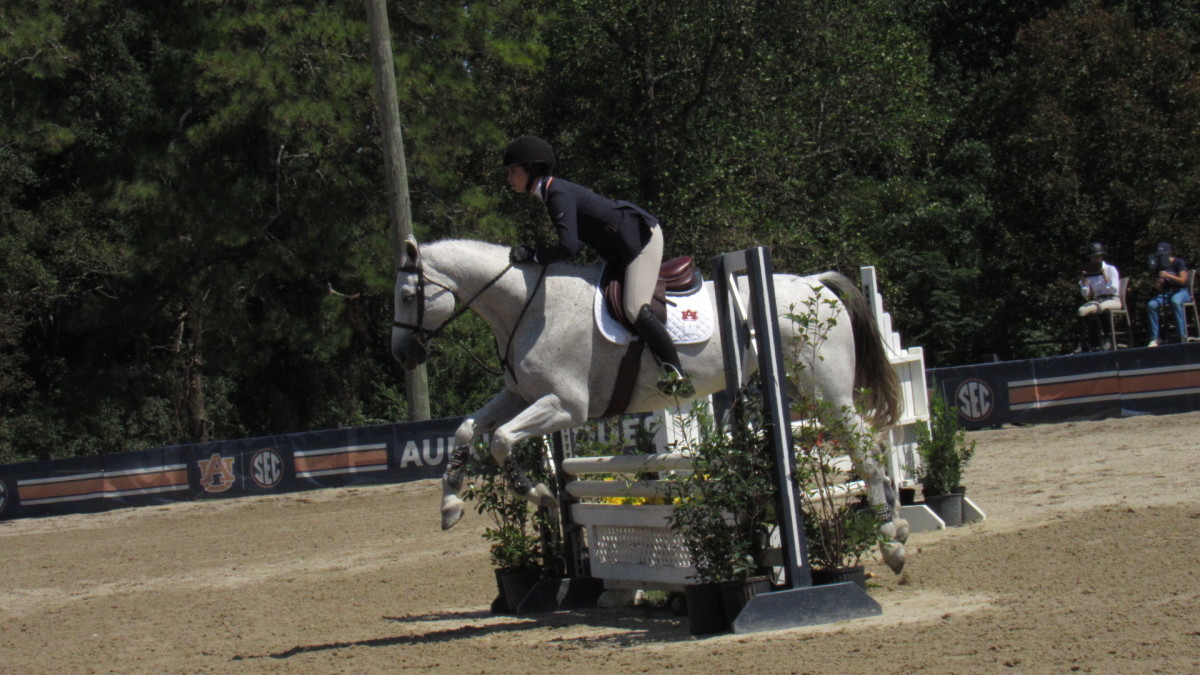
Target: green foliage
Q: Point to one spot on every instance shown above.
(193, 218)
(943, 447)
(838, 528)
(722, 505)
(194, 232)
(516, 528)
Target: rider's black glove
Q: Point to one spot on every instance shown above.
(521, 254)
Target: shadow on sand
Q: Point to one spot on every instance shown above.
(622, 626)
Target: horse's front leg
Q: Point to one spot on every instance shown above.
(495, 412)
(546, 416)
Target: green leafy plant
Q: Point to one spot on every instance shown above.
(722, 505)
(839, 528)
(517, 530)
(943, 447)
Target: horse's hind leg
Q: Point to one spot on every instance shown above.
(893, 530)
(545, 416)
(495, 412)
(859, 440)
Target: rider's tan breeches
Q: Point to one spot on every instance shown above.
(642, 274)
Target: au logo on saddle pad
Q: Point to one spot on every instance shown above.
(216, 473)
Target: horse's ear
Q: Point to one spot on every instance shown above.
(412, 252)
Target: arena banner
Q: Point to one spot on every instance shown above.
(388, 453)
(1095, 385)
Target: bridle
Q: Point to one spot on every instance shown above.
(426, 335)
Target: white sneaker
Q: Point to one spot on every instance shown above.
(1153, 343)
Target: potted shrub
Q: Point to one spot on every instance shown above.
(517, 548)
(720, 511)
(840, 527)
(944, 450)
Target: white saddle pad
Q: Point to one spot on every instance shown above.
(689, 321)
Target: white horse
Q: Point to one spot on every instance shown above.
(559, 369)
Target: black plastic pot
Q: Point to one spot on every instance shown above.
(706, 609)
(837, 575)
(948, 507)
(908, 496)
(514, 585)
(735, 594)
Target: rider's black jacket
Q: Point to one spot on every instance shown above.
(618, 230)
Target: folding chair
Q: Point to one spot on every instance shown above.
(1123, 313)
(1191, 305)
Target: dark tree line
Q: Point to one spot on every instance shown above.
(193, 231)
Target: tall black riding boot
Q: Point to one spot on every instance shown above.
(674, 382)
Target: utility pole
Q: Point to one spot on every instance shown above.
(416, 381)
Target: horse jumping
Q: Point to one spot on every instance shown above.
(559, 369)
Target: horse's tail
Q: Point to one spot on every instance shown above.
(872, 370)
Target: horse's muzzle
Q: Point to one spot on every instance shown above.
(407, 349)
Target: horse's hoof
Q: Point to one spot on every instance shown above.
(887, 531)
(893, 555)
(452, 511)
(617, 597)
(545, 498)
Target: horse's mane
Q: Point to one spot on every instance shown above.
(500, 253)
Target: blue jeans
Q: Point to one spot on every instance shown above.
(1176, 299)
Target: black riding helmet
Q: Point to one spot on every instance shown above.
(530, 151)
(534, 154)
(1096, 248)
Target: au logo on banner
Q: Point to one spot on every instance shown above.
(975, 399)
(216, 473)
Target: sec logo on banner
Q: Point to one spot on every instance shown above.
(975, 399)
(266, 468)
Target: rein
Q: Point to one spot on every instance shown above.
(425, 335)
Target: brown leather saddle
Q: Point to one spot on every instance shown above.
(677, 276)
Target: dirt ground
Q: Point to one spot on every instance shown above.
(1089, 561)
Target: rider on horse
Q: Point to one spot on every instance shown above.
(624, 234)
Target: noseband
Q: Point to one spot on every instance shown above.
(425, 335)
